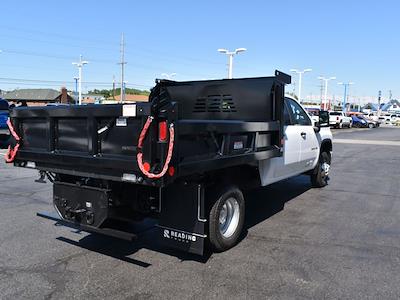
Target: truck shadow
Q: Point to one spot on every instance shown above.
(264, 202)
(261, 204)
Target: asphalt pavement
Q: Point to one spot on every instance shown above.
(342, 241)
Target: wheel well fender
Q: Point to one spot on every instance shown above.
(326, 146)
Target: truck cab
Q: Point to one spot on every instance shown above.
(303, 143)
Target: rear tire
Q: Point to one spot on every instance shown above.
(320, 175)
(226, 219)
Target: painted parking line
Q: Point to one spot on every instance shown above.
(367, 142)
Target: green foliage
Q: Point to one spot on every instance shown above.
(109, 93)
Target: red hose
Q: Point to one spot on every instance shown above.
(140, 153)
(11, 153)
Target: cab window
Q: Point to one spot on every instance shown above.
(297, 114)
(286, 116)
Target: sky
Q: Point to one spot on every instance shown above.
(355, 41)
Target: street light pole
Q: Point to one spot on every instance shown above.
(326, 80)
(76, 87)
(230, 58)
(300, 78)
(346, 90)
(80, 64)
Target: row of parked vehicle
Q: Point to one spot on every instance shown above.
(339, 119)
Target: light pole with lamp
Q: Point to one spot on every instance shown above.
(346, 90)
(80, 64)
(326, 80)
(76, 88)
(300, 78)
(230, 58)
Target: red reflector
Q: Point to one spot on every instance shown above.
(171, 171)
(146, 166)
(162, 131)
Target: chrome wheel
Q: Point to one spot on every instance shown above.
(229, 217)
(325, 167)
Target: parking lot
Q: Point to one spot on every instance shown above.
(341, 241)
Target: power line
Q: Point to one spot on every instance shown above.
(41, 81)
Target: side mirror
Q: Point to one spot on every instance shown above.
(323, 118)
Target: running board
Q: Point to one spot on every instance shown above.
(104, 231)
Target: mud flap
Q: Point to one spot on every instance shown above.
(182, 224)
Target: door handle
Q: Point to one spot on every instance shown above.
(303, 135)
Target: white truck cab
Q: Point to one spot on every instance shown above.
(306, 148)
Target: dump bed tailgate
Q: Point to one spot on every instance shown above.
(95, 140)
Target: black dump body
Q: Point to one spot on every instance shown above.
(218, 124)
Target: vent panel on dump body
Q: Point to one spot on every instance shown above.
(244, 99)
(214, 103)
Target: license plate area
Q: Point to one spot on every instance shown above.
(81, 204)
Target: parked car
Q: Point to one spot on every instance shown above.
(359, 122)
(385, 119)
(4, 114)
(338, 119)
(314, 114)
(371, 123)
(372, 117)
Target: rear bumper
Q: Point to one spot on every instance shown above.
(87, 228)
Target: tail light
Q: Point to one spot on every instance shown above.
(171, 171)
(162, 131)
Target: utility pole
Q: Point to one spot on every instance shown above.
(321, 90)
(122, 63)
(300, 76)
(230, 58)
(80, 64)
(113, 87)
(379, 103)
(326, 80)
(346, 90)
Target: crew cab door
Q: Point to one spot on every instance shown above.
(303, 128)
(290, 163)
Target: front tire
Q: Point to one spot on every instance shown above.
(320, 175)
(226, 219)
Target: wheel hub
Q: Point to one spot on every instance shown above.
(325, 167)
(229, 217)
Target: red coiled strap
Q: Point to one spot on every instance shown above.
(140, 154)
(11, 153)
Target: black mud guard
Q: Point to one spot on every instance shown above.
(182, 224)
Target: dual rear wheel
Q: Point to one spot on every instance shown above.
(226, 219)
